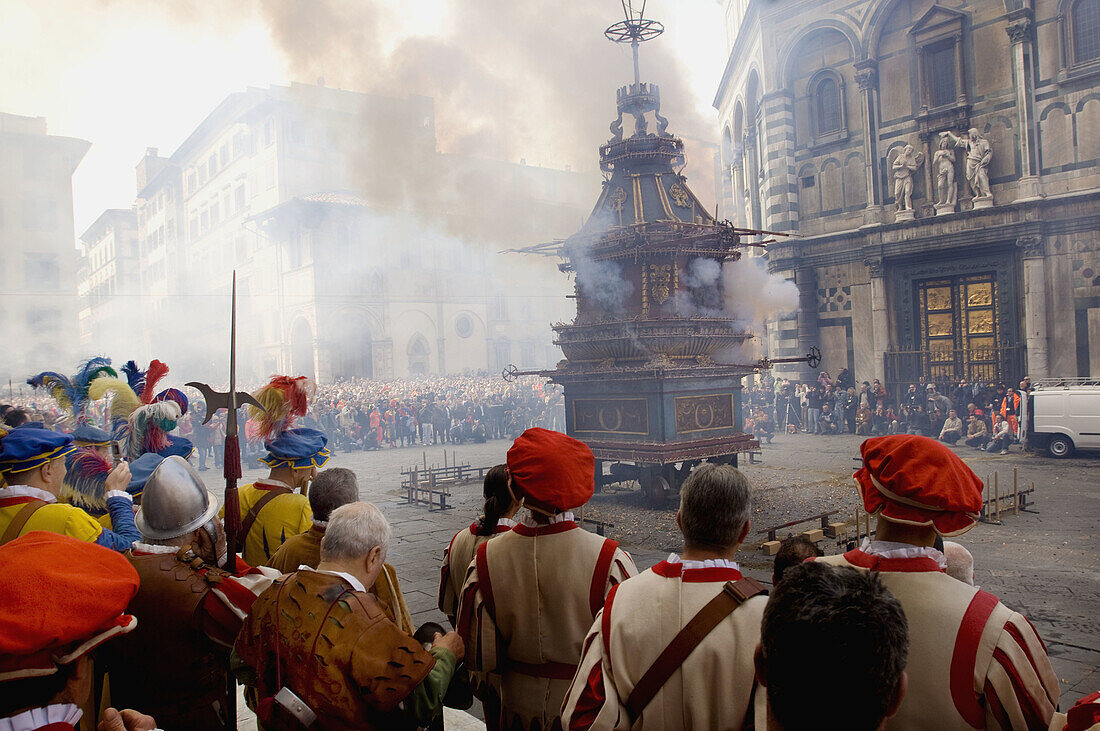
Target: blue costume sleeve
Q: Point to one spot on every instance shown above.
(125, 532)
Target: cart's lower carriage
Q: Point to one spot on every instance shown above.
(655, 425)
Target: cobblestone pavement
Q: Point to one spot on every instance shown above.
(1044, 563)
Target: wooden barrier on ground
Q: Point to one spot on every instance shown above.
(995, 503)
(601, 525)
(431, 485)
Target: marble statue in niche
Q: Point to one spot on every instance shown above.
(905, 164)
(947, 190)
(978, 154)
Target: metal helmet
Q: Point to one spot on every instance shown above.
(175, 501)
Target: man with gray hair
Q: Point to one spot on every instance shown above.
(332, 488)
(673, 646)
(317, 646)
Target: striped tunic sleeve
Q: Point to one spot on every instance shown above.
(1021, 688)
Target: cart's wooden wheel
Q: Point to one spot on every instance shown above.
(655, 488)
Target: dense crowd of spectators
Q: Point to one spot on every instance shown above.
(361, 414)
(982, 415)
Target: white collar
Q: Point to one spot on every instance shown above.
(150, 548)
(38, 717)
(530, 522)
(355, 583)
(320, 524)
(506, 522)
(710, 563)
(892, 549)
(276, 483)
(26, 491)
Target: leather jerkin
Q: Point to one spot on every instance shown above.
(167, 666)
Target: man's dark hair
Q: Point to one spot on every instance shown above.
(714, 505)
(793, 551)
(332, 488)
(849, 616)
(16, 417)
(498, 499)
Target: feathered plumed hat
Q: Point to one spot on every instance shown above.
(143, 417)
(72, 395)
(285, 400)
(86, 480)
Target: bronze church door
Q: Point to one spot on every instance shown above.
(959, 329)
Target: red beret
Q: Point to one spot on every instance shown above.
(918, 481)
(59, 599)
(551, 471)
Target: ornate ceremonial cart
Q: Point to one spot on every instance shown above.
(650, 374)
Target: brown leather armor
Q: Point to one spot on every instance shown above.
(337, 651)
(168, 667)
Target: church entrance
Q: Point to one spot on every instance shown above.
(958, 328)
(957, 318)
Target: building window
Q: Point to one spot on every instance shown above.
(941, 74)
(938, 40)
(42, 272)
(39, 214)
(828, 106)
(826, 90)
(1086, 30)
(464, 326)
(238, 197)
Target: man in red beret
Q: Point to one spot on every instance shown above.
(973, 662)
(532, 593)
(60, 599)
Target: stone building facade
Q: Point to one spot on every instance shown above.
(834, 119)
(109, 266)
(38, 257)
(275, 184)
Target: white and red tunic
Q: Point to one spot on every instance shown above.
(973, 662)
(712, 689)
(528, 601)
(457, 559)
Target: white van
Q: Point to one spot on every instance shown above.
(1064, 415)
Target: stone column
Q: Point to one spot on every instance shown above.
(1035, 306)
(867, 78)
(1020, 31)
(780, 200)
(880, 327)
(805, 278)
(752, 178)
(737, 178)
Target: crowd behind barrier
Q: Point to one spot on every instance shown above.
(987, 416)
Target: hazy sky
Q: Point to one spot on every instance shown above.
(131, 74)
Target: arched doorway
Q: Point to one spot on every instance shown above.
(301, 349)
(419, 352)
(352, 353)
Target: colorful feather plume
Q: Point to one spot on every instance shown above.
(157, 371)
(86, 480)
(134, 376)
(123, 398)
(175, 395)
(59, 386)
(71, 394)
(89, 371)
(148, 427)
(285, 399)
